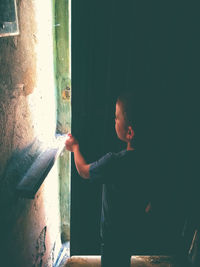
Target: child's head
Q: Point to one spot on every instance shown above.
(125, 118)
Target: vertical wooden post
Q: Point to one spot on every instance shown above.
(62, 61)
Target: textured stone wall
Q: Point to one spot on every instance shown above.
(29, 229)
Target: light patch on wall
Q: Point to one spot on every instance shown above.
(42, 101)
(42, 104)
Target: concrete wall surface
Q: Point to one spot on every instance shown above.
(29, 228)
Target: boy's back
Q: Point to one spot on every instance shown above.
(124, 197)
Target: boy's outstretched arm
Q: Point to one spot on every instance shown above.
(82, 167)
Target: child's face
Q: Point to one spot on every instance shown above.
(120, 124)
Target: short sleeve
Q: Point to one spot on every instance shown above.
(101, 171)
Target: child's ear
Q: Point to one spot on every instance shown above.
(130, 133)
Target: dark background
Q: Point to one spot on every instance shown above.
(151, 47)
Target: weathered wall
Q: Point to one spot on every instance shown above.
(29, 229)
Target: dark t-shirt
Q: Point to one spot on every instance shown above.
(124, 195)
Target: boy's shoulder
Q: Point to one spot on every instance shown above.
(124, 157)
(114, 157)
(125, 154)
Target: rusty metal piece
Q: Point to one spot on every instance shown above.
(66, 94)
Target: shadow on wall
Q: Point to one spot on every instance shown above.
(14, 210)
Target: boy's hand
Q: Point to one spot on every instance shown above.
(71, 143)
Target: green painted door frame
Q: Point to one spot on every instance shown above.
(62, 65)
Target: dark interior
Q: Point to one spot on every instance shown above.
(151, 48)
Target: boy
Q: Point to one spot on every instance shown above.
(123, 203)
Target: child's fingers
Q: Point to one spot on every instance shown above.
(68, 145)
(68, 137)
(67, 142)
